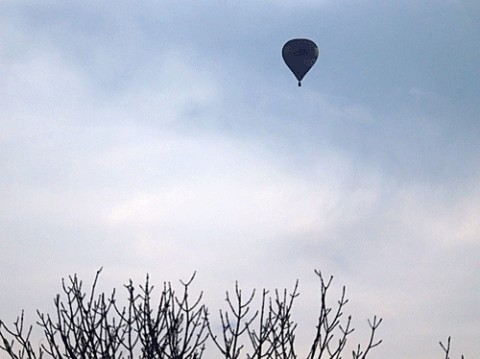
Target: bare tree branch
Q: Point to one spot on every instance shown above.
(90, 325)
(446, 349)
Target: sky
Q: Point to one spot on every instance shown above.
(167, 137)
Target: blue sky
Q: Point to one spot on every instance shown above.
(169, 136)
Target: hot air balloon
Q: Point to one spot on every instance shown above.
(300, 55)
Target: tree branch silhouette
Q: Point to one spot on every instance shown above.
(178, 326)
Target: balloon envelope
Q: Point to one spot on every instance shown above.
(300, 55)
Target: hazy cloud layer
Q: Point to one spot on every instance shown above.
(169, 137)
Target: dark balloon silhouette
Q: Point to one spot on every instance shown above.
(300, 55)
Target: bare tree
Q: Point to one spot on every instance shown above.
(91, 326)
(275, 335)
(328, 321)
(446, 349)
